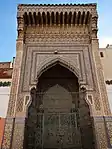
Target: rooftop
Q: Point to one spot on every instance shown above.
(88, 4)
(6, 73)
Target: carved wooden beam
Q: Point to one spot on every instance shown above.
(51, 18)
(61, 18)
(85, 18)
(70, 18)
(48, 18)
(76, 19)
(65, 18)
(43, 18)
(82, 18)
(35, 18)
(57, 18)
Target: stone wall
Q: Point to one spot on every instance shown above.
(38, 47)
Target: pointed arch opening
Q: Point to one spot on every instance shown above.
(58, 112)
(61, 62)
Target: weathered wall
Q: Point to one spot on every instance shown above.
(74, 46)
(4, 100)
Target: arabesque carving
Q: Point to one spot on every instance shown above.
(49, 35)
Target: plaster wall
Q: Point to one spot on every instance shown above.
(106, 62)
(4, 99)
(109, 93)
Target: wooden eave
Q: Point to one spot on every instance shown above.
(47, 18)
(55, 14)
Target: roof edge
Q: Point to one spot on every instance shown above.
(67, 4)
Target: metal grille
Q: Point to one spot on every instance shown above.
(56, 130)
(58, 121)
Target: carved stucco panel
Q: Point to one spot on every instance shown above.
(40, 60)
(27, 70)
(18, 136)
(15, 79)
(35, 60)
(87, 63)
(101, 135)
(44, 59)
(37, 57)
(7, 136)
(109, 128)
(102, 94)
(54, 30)
(96, 92)
(13, 92)
(55, 34)
(8, 133)
(20, 102)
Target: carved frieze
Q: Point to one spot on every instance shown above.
(101, 135)
(101, 92)
(8, 133)
(18, 135)
(55, 8)
(39, 57)
(109, 128)
(74, 46)
(57, 34)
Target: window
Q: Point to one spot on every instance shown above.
(101, 54)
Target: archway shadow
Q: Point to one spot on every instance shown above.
(59, 116)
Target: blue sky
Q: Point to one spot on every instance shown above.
(8, 32)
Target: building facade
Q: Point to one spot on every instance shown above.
(106, 59)
(6, 69)
(58, 96)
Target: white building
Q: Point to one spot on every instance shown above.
(106, 59)
(6, 69)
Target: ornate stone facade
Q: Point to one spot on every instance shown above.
(64, 34)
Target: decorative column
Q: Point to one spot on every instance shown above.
(99, 117)
(10, 119)
(18, 132)
(108, 123)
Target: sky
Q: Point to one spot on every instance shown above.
(8, 24)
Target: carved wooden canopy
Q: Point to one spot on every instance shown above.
(57, 18)
(56, 14)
